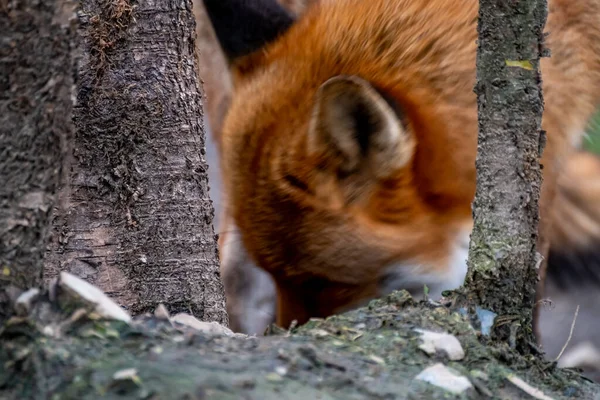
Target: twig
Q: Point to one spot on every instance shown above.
(547, 303)
(570, 334)
(291, 328)
(527, 388)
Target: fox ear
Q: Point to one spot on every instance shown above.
(354, 124)
(245, 26)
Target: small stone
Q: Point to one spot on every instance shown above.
(205, 327)
(443, 377)
(319, 333)
(178, 339)
(161, 312)
(129, 373)
(49, 330)
(527, 388)
(377, 359)
(434, 342)
(87, 293)
(25, 300)
(126, 380)
(486, 318)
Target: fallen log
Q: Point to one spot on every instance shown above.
(70, 342)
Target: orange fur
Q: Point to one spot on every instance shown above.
(577, 205)
(213, 66)
(241, 280)
(575, 236)
(328, 251)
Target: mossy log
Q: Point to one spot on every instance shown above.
(54, 349)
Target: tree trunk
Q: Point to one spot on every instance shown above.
(502, 273)
(138, 219)
(36, 83)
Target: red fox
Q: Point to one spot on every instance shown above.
(575, 236)
(213, 66)
(348, 149)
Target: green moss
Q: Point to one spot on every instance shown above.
(369, 353)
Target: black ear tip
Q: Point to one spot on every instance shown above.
(244, 26)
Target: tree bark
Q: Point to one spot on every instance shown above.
(502, 262)
(36, 84)
(138, 219)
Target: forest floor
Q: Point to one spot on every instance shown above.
(62, 349)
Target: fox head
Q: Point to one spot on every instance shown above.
(349, 147)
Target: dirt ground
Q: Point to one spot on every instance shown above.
(392, 349)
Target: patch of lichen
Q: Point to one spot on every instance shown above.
(369, 353)
(390, 332)
(491, 283)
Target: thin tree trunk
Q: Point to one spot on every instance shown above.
(36, 83)
(502, 273)
(138, 221)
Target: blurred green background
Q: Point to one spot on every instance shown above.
(592, 139)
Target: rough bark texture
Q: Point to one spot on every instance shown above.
(370, 353)
(137, 219)
(502, 273)
(36, 84)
